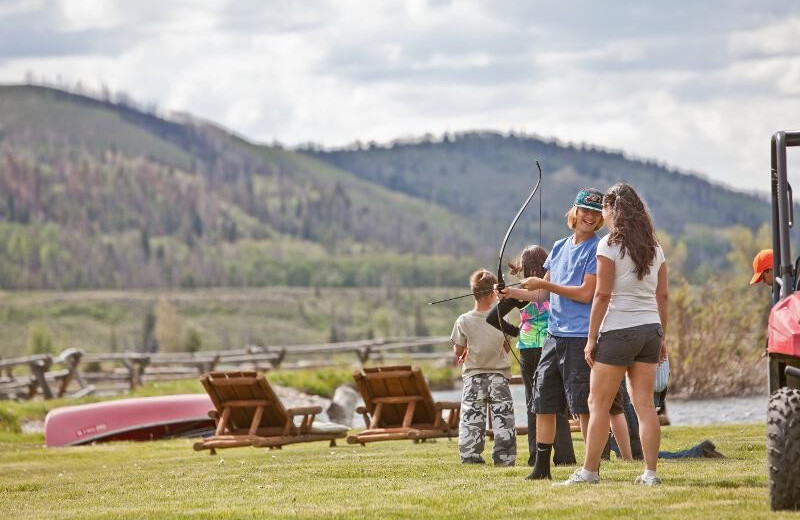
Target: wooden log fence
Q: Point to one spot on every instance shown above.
(40, 378)
(48, 376)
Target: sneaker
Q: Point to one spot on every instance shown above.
(577, 478)
(647, 481)
(710, 450)
(477, 460)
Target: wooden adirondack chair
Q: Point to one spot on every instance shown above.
(398, 405)
(249, 413)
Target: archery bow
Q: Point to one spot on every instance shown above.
(500, 281)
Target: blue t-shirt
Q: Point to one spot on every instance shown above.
(568, 263)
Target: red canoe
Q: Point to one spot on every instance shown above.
(139, 419)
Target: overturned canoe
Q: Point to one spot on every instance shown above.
(138, 419)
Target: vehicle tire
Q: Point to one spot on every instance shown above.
(783, 449)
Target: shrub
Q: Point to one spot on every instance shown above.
(8, 422)
(716, 337)
(40, 340)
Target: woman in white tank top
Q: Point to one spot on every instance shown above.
(626, 328)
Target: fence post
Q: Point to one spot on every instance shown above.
(38, 368)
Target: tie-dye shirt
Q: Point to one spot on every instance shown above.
(533, 324)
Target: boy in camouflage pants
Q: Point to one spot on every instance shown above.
(483, 353)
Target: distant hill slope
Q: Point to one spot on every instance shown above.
(97, 194)
(486, 176)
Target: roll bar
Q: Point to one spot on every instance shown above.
(782, 216)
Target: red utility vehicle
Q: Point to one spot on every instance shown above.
(783, 344)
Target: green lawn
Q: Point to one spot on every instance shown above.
(399, 479)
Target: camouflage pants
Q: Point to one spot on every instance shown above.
(480, 391)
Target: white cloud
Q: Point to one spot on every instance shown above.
(701, 86)
(780, 37)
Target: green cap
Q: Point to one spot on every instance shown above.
(590, 198)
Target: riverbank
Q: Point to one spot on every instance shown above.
(681, 412)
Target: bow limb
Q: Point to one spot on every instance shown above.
(500, 281)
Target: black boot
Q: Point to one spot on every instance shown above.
(541, 467)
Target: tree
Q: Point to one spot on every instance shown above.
(149, 343)
(40, 339)
(193, 340)
(169, 326)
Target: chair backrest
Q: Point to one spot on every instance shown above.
(226, 388)
(397, 381)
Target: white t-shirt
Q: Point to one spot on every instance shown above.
(485, 352)
(633, 301)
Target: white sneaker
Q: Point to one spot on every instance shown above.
(647, 481)
(578, 478)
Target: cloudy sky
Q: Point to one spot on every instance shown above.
(700, 85)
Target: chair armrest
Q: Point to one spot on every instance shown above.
(361, 409)
(308, 413)
(304, 410)
(447, 405)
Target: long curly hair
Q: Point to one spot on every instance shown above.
(530, 262)
(632, 226)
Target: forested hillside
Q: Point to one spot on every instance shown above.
(485, 176)
(96, 193)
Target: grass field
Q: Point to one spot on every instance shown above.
(225, 318)
(166, 479)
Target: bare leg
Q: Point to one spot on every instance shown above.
(545, 427)
(603, 385)
(641, 378)
(619, 427)
(583, 420)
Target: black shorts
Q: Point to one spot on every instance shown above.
(623, 347)
(562, 377)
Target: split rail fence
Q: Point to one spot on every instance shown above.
(75, 373)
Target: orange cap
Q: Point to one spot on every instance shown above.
(761, 263)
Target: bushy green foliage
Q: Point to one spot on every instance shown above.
(717, 329)
(169, 327)
(40, 340)
(193, 341)
(8, 421)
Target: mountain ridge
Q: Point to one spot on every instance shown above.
(99, 194)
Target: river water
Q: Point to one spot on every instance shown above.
(752, 409)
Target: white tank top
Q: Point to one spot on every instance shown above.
(633, 301)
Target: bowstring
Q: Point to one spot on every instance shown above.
(502, 250)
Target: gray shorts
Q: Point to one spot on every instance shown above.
(562, 377)
(623, 347)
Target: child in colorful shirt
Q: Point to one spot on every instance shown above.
(532, 333)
